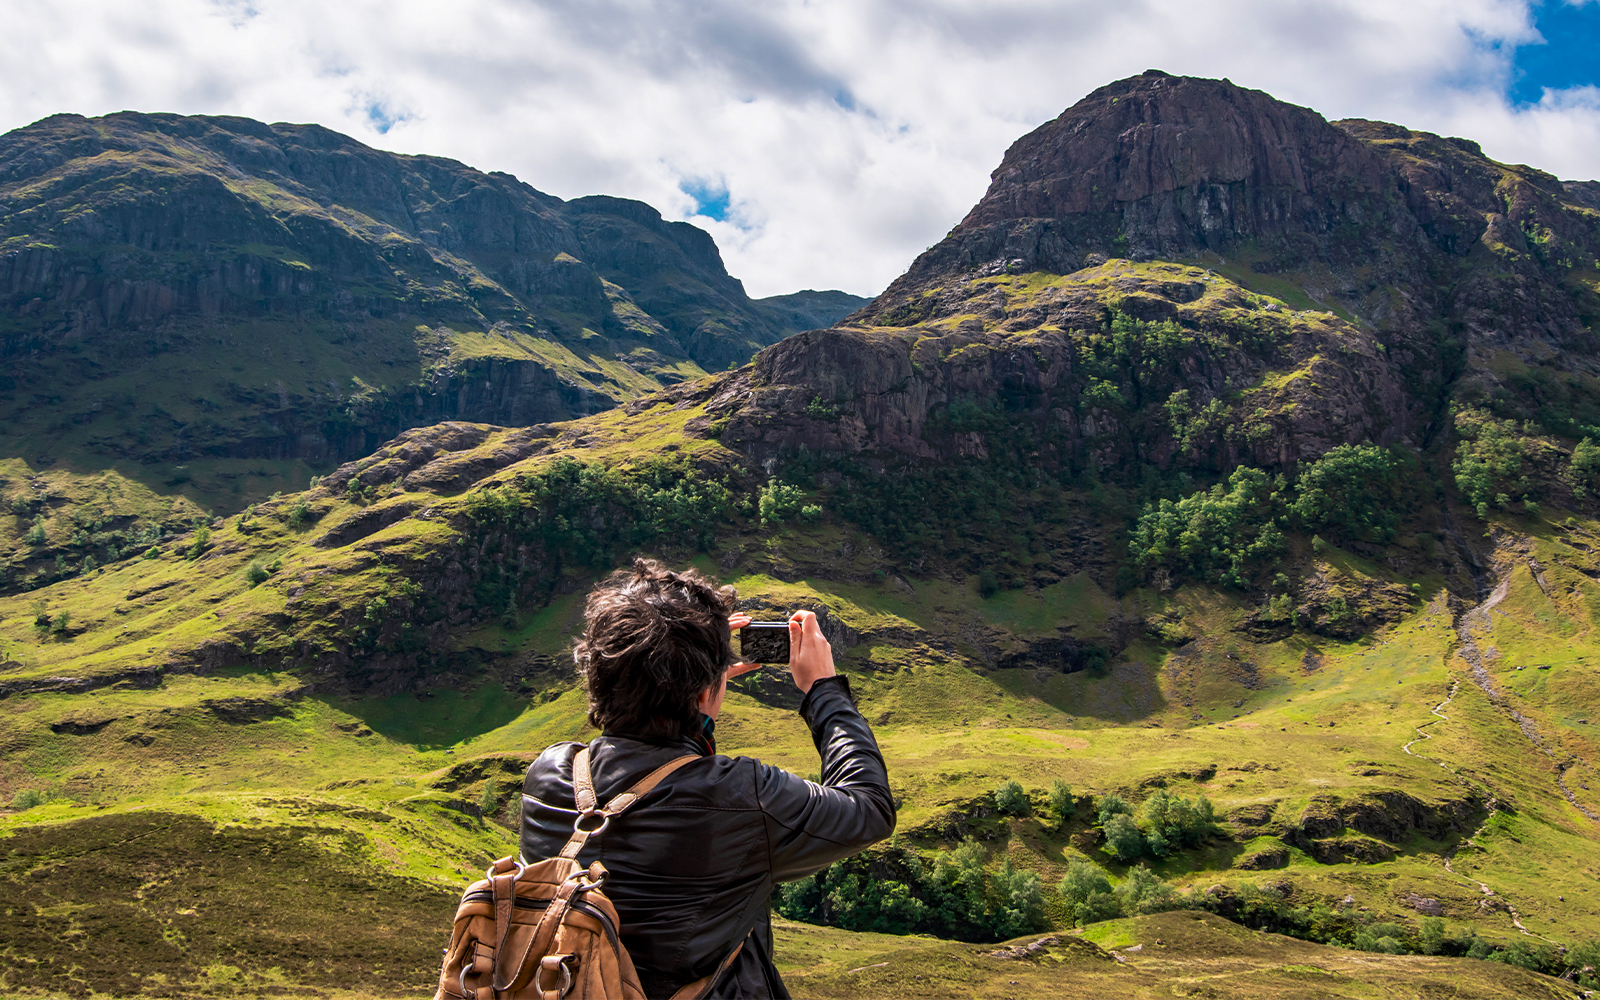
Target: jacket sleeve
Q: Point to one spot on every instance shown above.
(810, 825)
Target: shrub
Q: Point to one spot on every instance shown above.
(1143, 892)
(778, 502)
(1061, 802)
(257, 574)
(988, 583)
(1111, 805)
(1581, 470)
(153, 552)
(1488, 463)
(1087, 893)
(1169, 822)
(1390, 939)
(1011, 800)
(1018, 902)
(27, 799)
(299, 512)
(1123, 839)
(202, 539)
(486, 801)
(1349, 492)
(62, 622)
(1217, 535)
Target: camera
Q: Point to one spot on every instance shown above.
(764, 642)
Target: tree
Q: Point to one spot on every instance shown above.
(1143, 892)
(1010, 799)
(1061, 802)
(1112, 804)
(1087, 893)
(1123, 838)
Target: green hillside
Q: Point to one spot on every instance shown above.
(218, 308)
(1263, 563)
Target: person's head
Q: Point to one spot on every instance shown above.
(653, 642)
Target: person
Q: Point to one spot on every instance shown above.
(694, 862)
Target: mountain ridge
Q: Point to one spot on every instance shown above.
(404, 289)
(1249, 533)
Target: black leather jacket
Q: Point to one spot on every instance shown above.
(693, 864)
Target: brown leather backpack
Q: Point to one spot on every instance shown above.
(546, 931)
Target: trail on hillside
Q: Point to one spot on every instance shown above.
(1477, 620)
(1468, 626)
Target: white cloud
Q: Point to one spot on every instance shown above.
(850, 134)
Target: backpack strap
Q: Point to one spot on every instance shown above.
(583, 793)
(700, 987)
(511, 976)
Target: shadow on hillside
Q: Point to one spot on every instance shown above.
(1120, 692)
(431, 720)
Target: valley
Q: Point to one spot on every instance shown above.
(1267, 482)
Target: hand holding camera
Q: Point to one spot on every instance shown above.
(798, 642)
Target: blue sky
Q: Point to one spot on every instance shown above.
(823, 143)
(1567, 57)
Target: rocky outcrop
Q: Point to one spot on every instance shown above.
(290, 293)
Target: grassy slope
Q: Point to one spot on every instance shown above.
(1310, 717)
(1167, 955)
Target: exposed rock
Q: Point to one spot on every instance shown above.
(1425, 905)
(240, 711)
(1274, 857)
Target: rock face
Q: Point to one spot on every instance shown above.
(1329, 283)
(188, 288)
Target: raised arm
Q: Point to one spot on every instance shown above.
(811, 825)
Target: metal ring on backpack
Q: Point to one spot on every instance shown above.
(605, 821)
(550, 963)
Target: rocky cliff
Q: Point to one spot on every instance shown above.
(177, 290)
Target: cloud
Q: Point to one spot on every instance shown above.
(824, 143)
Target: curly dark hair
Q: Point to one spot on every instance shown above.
(653, 639)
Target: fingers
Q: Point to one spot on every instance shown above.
(739, 620)
(742, 668)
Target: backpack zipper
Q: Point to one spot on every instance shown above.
(577, 903)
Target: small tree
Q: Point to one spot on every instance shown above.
(1112, 804)
(1010, 799)
(1123, 838)
(1087, 893)
(27, 799)
(202, 538)
(1143, 892)
(486, 801)
(1061, 802)
(62, 622)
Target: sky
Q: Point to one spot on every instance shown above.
(823, 143)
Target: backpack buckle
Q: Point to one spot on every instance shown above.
(551, 965)
(605, 821)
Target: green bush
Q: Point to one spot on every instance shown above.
(1111, 804)
(62, 622)
(897, 892)
(1350, 492)
(1143, 892)
(257, 574)
(778, 502)
(1170, 823)
(27, 799)
(1217, 535)
(1011, 800)
(1061, 802)
(1086, 892)
(1488, 463)
(202, 540)
(1123, 839)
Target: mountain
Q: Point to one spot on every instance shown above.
(223, 306)
(1207, 522)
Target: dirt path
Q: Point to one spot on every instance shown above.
(1468, 626)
